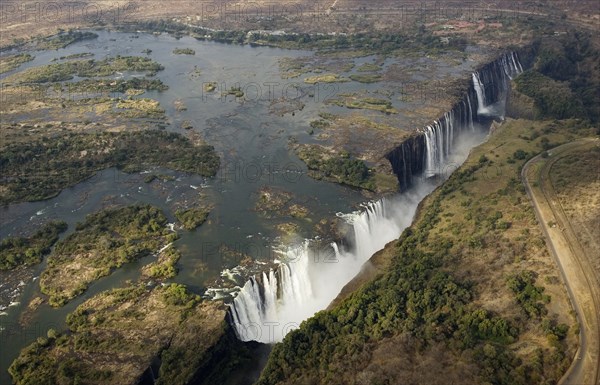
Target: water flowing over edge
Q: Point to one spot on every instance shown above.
(308, 278)
(490, 86)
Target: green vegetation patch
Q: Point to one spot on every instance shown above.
(105, 241)
(366, 78)
(351, 45)
(85, 68)
(319, 124)
(531, 297)
(365, 103)
(149, 178)
(63, 39)
(17, 251)
(326, 78)
(325, 120)
(80, 55)
(209, 87)
(165, 266)
(563, 81)
(193, 217)
(368, 67)
(276, 203)
(235, 91)
(120, 85)
(336, 168)
(115, 336)
(9, 63)
(184, 51)
(41, 168)
(552, 99)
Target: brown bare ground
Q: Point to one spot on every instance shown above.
(31, 18)
(576, 180)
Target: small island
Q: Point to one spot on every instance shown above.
(184, 51)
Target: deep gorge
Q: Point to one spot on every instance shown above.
(276, 302)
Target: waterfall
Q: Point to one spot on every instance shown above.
(426, 154)
(471, 125)
(308, 278)
(516, 58)
(490, 84)
(493, 81)
(440, 138)
(480, 90)
(511, 64)
(434, 152)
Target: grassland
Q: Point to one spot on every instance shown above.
(468, 290)
(114, 337)
(576, 180)
(105, 241)
(18, 251)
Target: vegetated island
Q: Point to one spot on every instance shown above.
(127, 335)
(184, 51)
(192, 217)
(9, 63)
(105, 241)
(28, 251)
(165, 266)
(84, 69)
(41, 168)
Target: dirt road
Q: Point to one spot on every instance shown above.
(582, 281)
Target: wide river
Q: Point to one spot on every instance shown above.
(251, 135)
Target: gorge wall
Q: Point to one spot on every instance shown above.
(425, 153)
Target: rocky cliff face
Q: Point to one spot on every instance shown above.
(408, 160)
